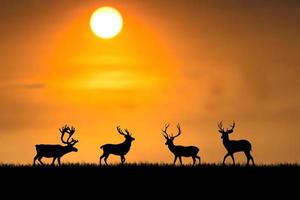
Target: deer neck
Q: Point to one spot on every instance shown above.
(171, 146)
(66, 149)
(226, 140)
(127, 143)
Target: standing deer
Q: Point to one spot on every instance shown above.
(179, 151)
(233, 146)
(117, 149)
(56, 151)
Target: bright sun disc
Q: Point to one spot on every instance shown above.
(106, 22)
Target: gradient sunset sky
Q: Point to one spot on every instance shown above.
(195, 62)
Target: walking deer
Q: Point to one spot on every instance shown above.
(177, 150)
(233, 146)
(117, 149)
(56, 151)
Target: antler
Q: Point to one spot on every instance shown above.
(220, 125)
(63, 130)
(231, 128)
(128, 133)
(73, 142)
(70, 131)
(120, 131)
(165, 134)
(221, 129)
(179, 131)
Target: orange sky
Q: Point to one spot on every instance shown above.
(194, 62)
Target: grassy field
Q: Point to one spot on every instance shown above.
(151, 170)
(157, 178)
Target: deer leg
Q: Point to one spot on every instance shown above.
(194, 160)
(175, 160)
(122, 159)
(225, 158)
(199, 159)
(58, 160)
(180, 160)
(232, 159)
(252, 160)
(101, 158)
(249, 157)
(53, 161)
(40, 159)
(105, 159)
(34, 159)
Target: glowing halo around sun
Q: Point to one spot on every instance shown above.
(106, 22)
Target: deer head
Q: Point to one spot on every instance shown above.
(127, 134)
(70, 131)
(170, 137)
(228, 131)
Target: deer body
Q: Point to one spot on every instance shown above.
(178, 150)
(185, 151)
(233, 146)
(117, 149)
(56, 151)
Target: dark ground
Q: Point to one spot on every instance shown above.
(153, 180)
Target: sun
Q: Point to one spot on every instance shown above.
(106, 22)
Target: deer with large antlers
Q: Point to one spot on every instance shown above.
(56, 151)
(233, 146)
(177, 150)
(118, 149)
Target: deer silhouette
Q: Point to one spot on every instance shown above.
(56, 151)
(233, 146)
(117, 149)
(177, 150)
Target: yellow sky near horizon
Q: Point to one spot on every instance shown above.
(192, 62)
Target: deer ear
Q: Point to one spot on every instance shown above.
(220, 131)
(230, 131)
